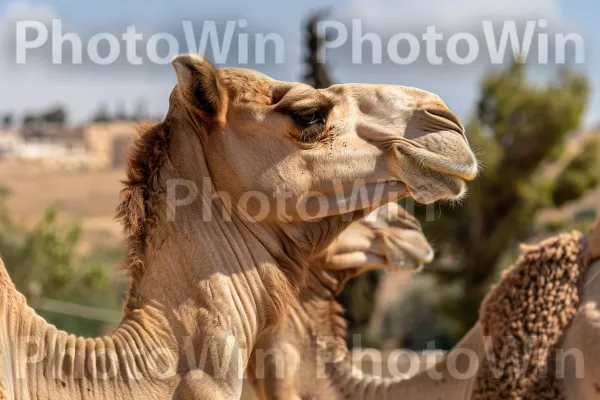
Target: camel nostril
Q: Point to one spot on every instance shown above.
(446, 117)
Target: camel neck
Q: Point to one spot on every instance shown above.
(214, 274)
(185, 288)
(138, 360)
(210, 273)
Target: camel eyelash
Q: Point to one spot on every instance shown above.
(308, 117)
(309, 122)
(312, 134)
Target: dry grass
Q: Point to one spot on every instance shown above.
(89, 197)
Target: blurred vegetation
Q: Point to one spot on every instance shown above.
(580, 175)
(7, 121)
(520, 133)
(412, 323)
(140, 113)
(43, 264)
(102, 115)
(55, 114)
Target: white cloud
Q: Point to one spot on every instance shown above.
(19, 10)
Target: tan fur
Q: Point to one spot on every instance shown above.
(205, 284)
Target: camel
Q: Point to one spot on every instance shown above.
(285, 363)
(225, 202)
(551, 285)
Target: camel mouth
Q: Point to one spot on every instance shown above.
(465, 171)
(407, 247)
(449, 173)
(427, 185)
(435, 140)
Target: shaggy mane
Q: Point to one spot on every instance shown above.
(319, 301)
(148, 154)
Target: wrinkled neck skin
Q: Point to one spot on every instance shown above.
(288, 363)
(242, 274)
(38, 361)
(252, 270)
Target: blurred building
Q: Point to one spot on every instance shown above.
(55, 145)
(52, 132)
(110, 142)
(9, 139)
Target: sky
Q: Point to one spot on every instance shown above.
(84, 88)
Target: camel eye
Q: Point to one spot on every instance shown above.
(308, 117)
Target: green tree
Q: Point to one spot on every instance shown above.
(316, 73)
(55, 114)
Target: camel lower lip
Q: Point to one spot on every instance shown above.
(435, 162)
(452, 191)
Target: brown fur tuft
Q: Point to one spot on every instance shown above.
(318, 301)
(149, 152)
(526, 315)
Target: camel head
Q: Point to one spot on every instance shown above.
(390, 237)
(404, 244)
(307, 162)
(287, 138)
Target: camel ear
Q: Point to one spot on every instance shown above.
(199, 87)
